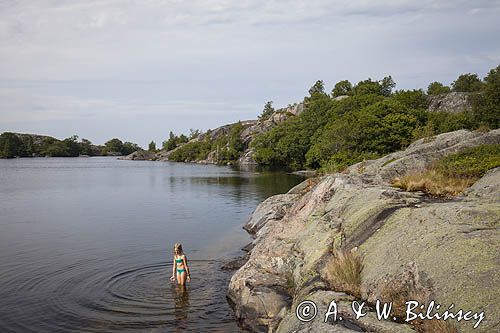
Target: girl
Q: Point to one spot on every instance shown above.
(180, 266)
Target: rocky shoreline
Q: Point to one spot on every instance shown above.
(412, 247)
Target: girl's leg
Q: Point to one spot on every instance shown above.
(182, 278)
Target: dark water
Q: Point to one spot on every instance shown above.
(85, 243)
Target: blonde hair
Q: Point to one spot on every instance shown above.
(178, 249)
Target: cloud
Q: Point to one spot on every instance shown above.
(167, 60)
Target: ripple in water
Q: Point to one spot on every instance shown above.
(107, 298)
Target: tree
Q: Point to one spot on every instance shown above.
(436, 88)
(486, 106)
(170, 143)
(371, 131)
(129, 148)
(414, 99)
(58, 149)
(152, 146)
(317, 88)
(73, 147)
(387, 84)
(10, 145)
(467, 83)
(86, 147)
(113, 146)
(174, 140)
(267, 111)
(342, 88)
(193, 133)
(383, 87)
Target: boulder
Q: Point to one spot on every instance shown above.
(139, 155)
(248, 157)
(453, 102)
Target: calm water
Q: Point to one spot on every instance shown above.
(85, 243)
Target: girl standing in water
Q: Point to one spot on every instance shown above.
(180, 266)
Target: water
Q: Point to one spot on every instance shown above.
(85, 243)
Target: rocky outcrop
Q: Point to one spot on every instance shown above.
(421, 153)
(453, 102)
(223, 130)
(265, 125)
(140, 155)
(447, 251)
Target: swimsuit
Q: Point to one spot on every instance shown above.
(180, 270)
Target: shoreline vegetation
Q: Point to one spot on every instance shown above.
(326, 131)
(32, 145)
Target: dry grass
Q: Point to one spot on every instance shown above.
(438, 326)
(399, 295)
(434, 183)
(343, 271)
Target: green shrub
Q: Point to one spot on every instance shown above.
(470, 163)
(191, 151)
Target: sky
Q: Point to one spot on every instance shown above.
(139, 69)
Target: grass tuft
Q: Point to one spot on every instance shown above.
(433, 183)
(343, 272)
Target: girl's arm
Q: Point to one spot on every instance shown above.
(173, 269)
(187, 268)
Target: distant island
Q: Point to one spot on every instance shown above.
(33, 145)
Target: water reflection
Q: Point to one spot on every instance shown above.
(181, 309)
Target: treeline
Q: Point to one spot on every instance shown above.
(372, 120)
(28, 145)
